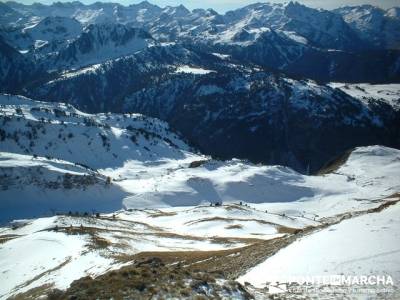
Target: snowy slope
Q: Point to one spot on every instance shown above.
(54, 258)
(366, 245)
(82, 246)
(152, 165)
(50, 153)
(98, 141)
(272, 188)
(230, 220)
(36, 186)
(51, 34)
(101, 42)
(379, 27)
(369, 174)
(388, 93)
(159, 197)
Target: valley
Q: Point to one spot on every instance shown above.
(152, 152)
(161, 203)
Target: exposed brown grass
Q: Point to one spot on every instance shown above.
(150, 278)
(229, 220)
(386, 203)
(197, 163)
(288, 230)
(34, 293)
(7, 237)
(163, 214)
(230, 263)
(98, 242)
(235, 226)
(234, 207)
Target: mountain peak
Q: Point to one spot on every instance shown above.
(295, 6)
(212, 12)
(145, 4)
(393, 12)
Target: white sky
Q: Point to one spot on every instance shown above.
(224, 5)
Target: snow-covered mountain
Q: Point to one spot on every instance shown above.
(119, 77)
(290, 37)
(283, 124)
(51, 30)
(320, 28)
(261, 53)
(97, 141)
(379, 27)
(9, 15)
(181, 86)
(98, 12)
(102, 42)
(50, 154)
(47, 36)
(257, 116)
(15, 69)
(54, 28)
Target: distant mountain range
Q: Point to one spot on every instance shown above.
(253, 83)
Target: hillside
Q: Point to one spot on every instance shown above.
(257, 113)
(152, 165)
(344, 248)
(247, 77)
(51, 155)
(152, 152)
(37, 186)
(110, 211)
(60, 131)
(223, 241)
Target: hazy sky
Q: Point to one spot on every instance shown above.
(224, 5)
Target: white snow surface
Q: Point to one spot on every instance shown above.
(365, 245)
(192, 70)
(58, 258)
(36, 186)
(387, 93)
(370, 173)
(54, 258)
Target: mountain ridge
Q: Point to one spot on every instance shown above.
(179, 59)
